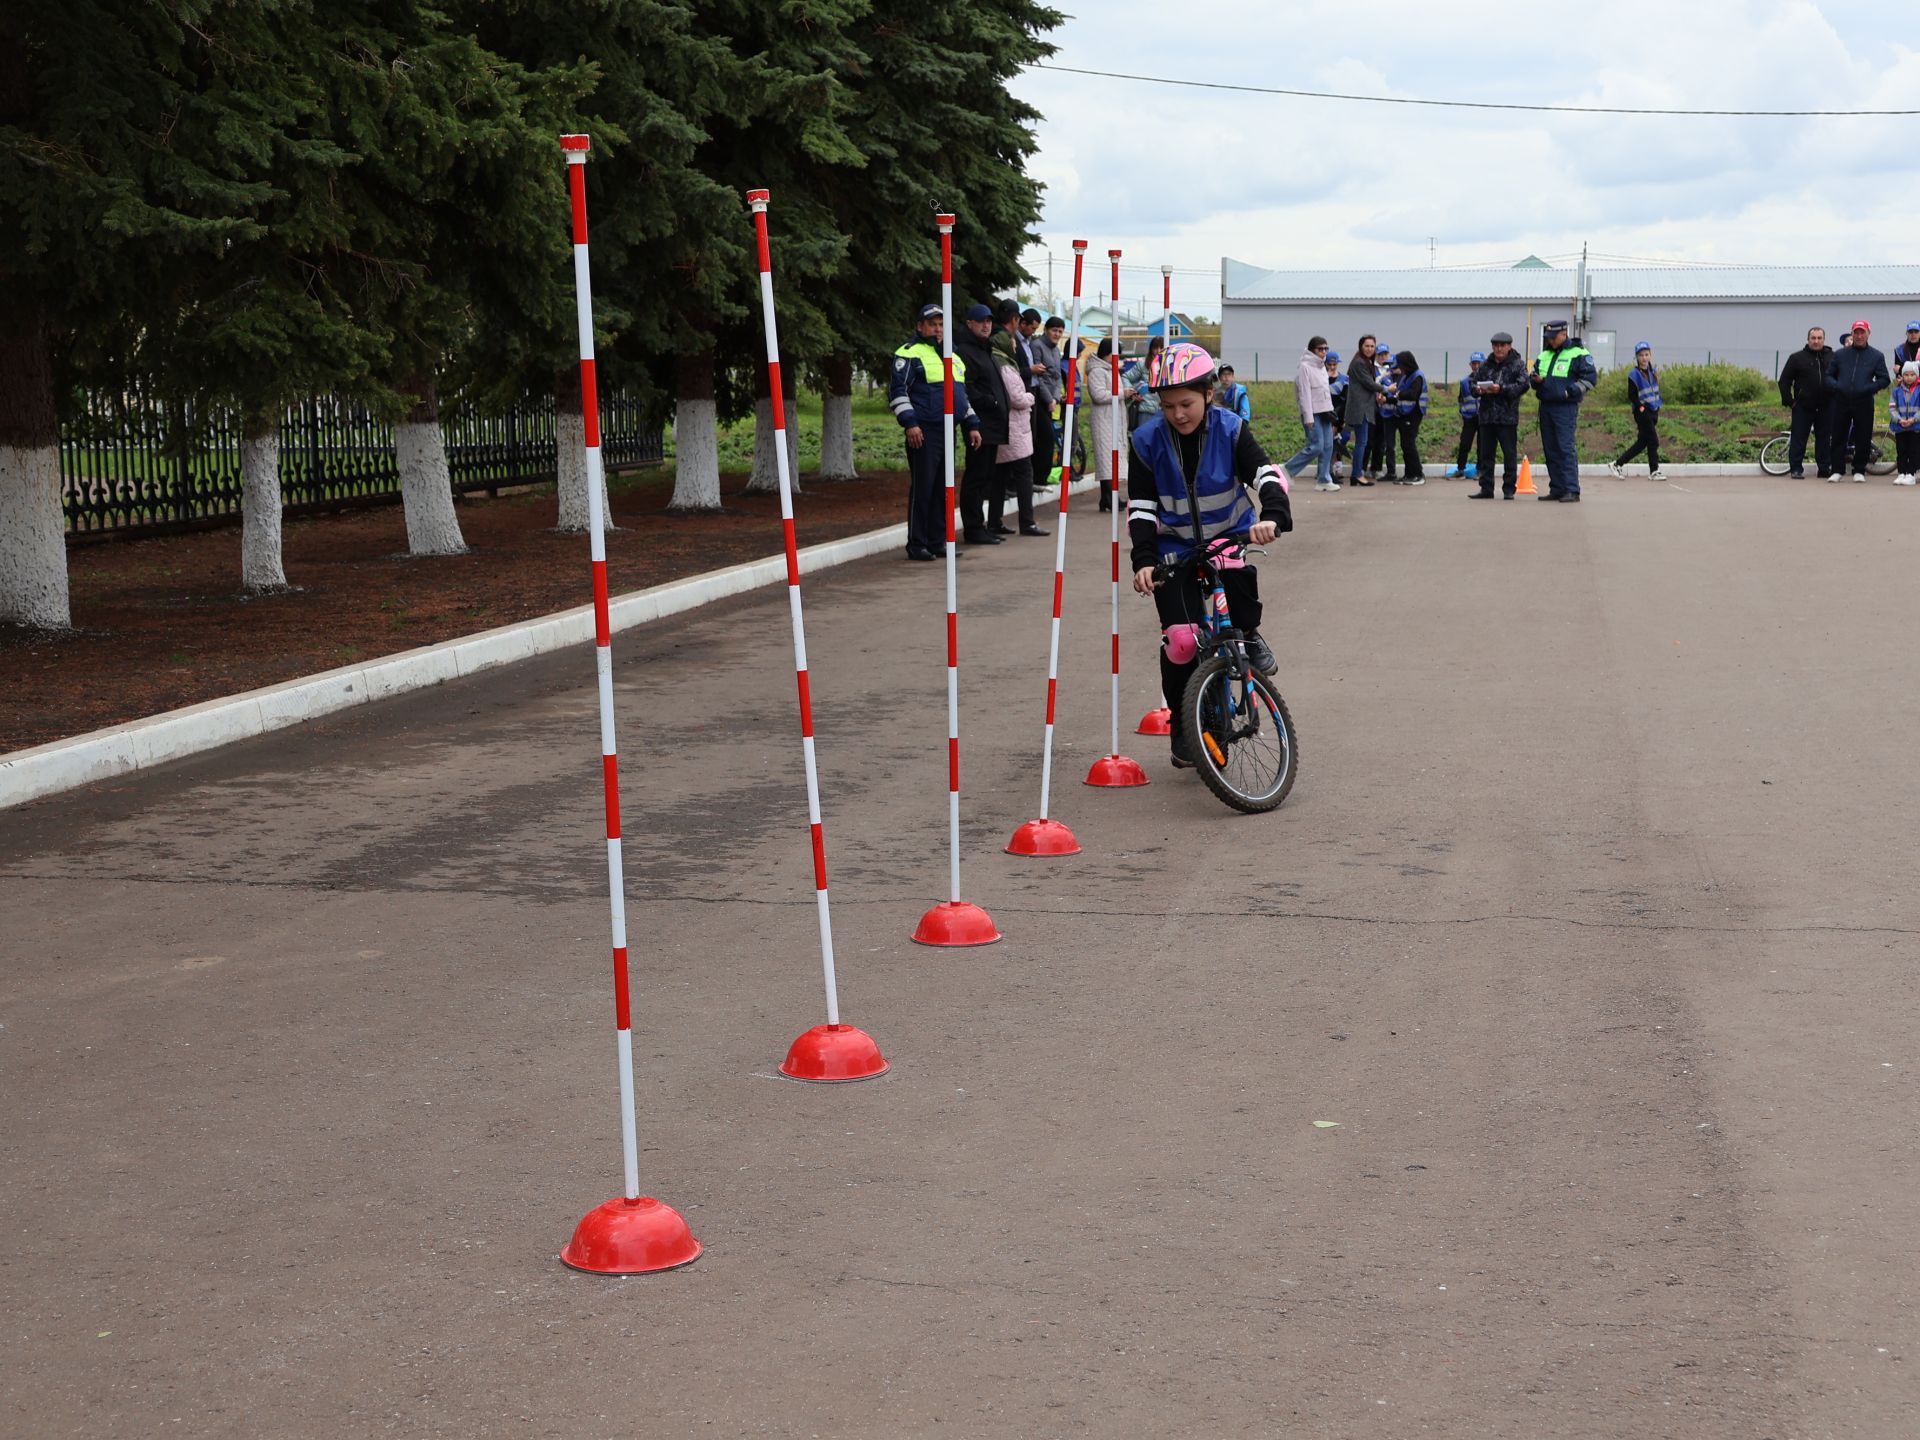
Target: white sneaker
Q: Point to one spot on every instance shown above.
(1903, 480)
(1328, 485)
(1656, 475)
(1617, 471)
(1859, 479)
(1836, 477)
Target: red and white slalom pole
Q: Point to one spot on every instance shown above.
(832, 1051)
(954, 921)
(1114, 770)
(1160, 722)
(634, 1233)
(1045, 836)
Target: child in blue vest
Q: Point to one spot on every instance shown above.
(1188, 473)
(1469, 403)
(1903, 418)
(1643, 389)
(1337, 387)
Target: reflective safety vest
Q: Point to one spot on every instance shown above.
(916, 391)
(1223, 506)
(1904, 402)
(930, 362)
(1646, 387)
(1560, 362)
(1408, 407)
(1469, 402)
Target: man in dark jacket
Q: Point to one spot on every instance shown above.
(989, 399)
(1563, 373)
(1858, 373)
(917, 395)
(1499, 380)
(1809, 398)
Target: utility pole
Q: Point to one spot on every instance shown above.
(1433, 242)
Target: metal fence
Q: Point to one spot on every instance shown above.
(132, 465)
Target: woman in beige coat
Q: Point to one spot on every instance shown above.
(1109, 419)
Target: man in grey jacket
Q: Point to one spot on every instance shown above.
(1499, 380)
(1045, 345)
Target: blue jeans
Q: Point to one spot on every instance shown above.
(1556, 438)
(1319, 448)
(1362, 437)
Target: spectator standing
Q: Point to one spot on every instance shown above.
(1469, 404)
(1500, 381)
(1046, 390)
(1363, 406)
(1337, 387)
(1410, 397)
(1858, 373)
(1378, 460)
(1903, 418)
(1808, 395)
(1013, 461)
(1562, 376)
(1908, 349)
(1643, 392)
(1107, 432)
(1233, 396)
(916, 393)
(991, 403)
(1316, 415)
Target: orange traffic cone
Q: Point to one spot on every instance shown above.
(1526, 478)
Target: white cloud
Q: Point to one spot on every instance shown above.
(1182, 176)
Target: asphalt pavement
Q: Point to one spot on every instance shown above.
(1589, 926)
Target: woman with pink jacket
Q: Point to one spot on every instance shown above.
(1013, 461)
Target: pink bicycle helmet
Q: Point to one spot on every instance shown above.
(1182, 365)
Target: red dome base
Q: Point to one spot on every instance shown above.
(1156, 722)
(1043, 837)
(1116, 770)
(631, 1237)
(956, 922)
(827, 1054)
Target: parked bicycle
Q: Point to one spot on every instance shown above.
(1773, 456)
(1244, 741)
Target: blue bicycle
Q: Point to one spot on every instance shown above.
(1245, 743)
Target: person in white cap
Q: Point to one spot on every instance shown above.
(1858, 372)
(1903, 418)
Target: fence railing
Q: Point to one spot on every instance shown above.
(130, 464)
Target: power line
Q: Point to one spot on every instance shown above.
(1466, 104)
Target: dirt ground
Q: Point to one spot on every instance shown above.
(162, 622)
(1588, 928)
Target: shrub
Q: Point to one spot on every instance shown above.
(1720, 383)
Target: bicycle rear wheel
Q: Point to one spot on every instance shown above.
(1879, 462)
(1773, 456)
(1243, 737)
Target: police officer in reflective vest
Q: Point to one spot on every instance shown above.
(1562, 375)
(916, 393)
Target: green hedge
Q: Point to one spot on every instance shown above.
(1719, 383)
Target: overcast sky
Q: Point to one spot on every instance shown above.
(1181, 176)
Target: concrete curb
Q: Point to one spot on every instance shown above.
(1638, 471)
(102, 754)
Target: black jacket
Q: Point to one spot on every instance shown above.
(984, 387)
(1858, 372)
(1803, 379)
(1504, 408)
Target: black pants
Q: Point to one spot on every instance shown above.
(976, 487)
(1648, 423)
(927, 494)
(1855, 416)
(1906, 445)
(1409, 428)
(1377, 445)
(1043, 438)
(1013, 477)
(1181, 603)
(1469, 429)
(1383, 432)
(1817, 421)
(1505, 438)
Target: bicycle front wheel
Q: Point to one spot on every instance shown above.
(1878, 461)
(1773, 456)
(1243, 737)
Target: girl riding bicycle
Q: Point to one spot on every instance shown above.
(1188, 473)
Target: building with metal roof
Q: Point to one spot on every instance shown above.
(1754, 315)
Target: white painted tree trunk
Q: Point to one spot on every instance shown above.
(260, 568)
(696, 451)
(836, 438)
(33, 538)
(426, 489)
(765, 475)
(570, 429)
